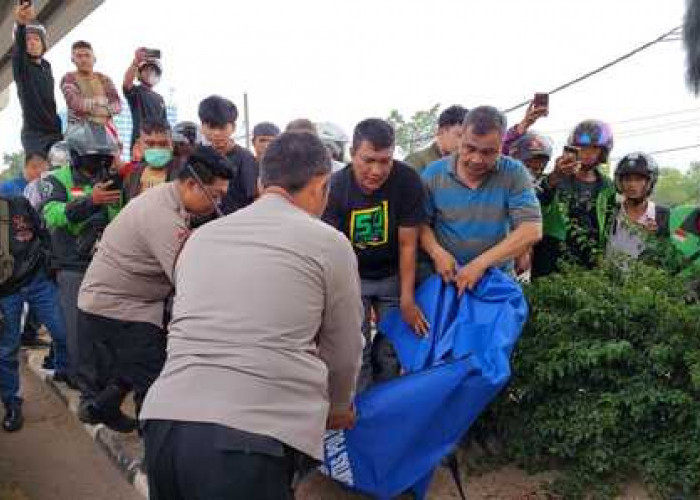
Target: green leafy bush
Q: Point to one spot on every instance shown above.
(606, 383)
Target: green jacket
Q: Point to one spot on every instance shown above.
(685, 232)
(555, 205)
(71, 217)
(424, 157)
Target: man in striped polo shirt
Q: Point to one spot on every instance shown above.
(482, 207)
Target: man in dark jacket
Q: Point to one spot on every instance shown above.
(35, 84)
(145, 103)
(24, 278)
(79, 200)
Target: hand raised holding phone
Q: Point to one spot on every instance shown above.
(568, 163)
(538, 108)
(24, 12)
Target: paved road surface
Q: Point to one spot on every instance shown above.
(53, 458)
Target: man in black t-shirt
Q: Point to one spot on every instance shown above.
(218, 117)
(378, 203)
(145, 104)
(41, 126)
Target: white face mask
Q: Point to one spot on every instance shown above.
(151, 79)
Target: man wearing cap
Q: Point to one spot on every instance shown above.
(35, 84)
(263, 134)
(145, 104)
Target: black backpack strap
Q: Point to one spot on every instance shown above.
(663, 220)
(7, 261)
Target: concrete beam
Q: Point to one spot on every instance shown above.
(58, 16)
(4, 98)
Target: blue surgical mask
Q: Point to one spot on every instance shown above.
(158, 157)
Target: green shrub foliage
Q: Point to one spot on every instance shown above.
(606, 383)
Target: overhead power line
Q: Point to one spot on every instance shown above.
(631, 120)
(663, 151)
(669, 34)
(673, 150)
(659, 128)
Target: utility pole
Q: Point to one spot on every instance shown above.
(246, 116)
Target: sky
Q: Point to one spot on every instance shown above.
(342, 61)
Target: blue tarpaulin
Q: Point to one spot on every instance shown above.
(406, 426)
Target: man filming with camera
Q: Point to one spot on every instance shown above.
(146, 105)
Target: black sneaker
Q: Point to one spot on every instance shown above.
(87, 413)
(48, 363)
(13, 418)
(90, 413)
(121, 423)
(63, 377)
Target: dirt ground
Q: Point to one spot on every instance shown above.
(52, 457)
(508, 483)
(33, 467)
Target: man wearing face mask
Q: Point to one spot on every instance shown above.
(79, 200)
(145, 104)
(124, 293)
(155, 145)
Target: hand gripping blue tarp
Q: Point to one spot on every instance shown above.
(406, 426)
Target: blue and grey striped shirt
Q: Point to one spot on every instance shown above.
(467, 222)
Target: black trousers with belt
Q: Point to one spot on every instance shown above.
(128, 355)
(204, 461)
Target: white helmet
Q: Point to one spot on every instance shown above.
(59, 154)
(334, 138)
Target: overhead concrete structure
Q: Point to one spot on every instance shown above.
(59, 17)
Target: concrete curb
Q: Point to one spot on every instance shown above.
(109, 441)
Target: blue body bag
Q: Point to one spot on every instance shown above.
(405, 427)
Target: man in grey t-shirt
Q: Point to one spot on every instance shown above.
(265, 343)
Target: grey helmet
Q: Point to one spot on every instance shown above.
(86, 138)
(187, 132)
(92, 146)
(59, 154)
(334, 138)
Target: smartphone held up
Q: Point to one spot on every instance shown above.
(541, 100)
(572, 154)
